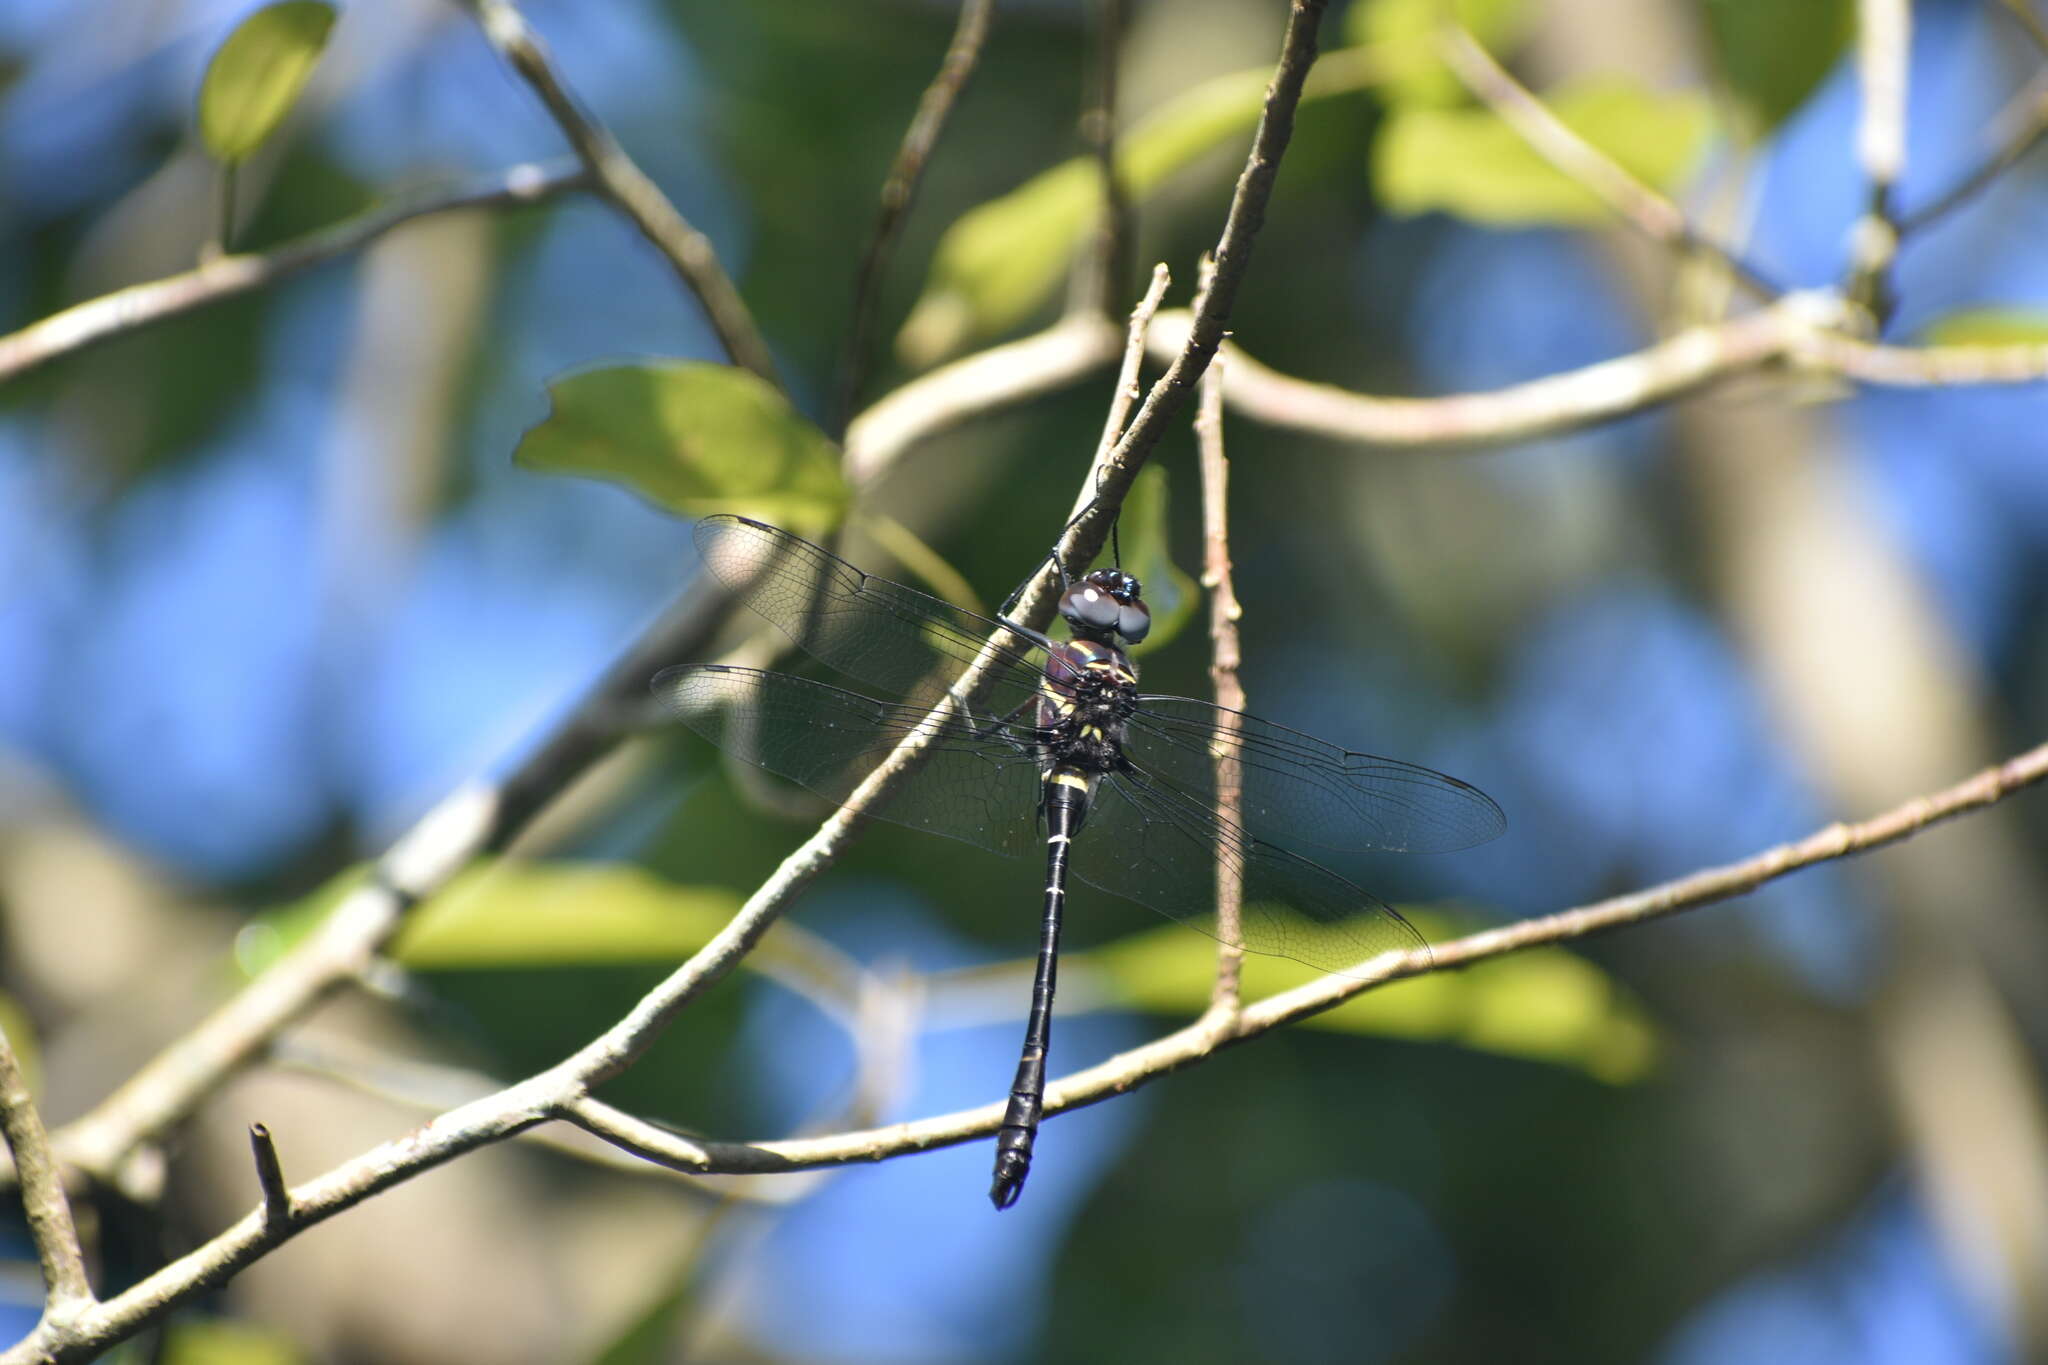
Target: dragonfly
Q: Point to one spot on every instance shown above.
(1035, 746)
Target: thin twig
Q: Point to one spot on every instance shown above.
(277, 1196)
(981, 383)
(616, 175)
(1109, 264)
(2028, 21)
(1095, 510)
(143, 305)
(899, 191)
(1225, 656)
(42, 1193)
(2027, 117)
(1127, 391)
(1884, 37)
(1799, 333)
(1649, 212)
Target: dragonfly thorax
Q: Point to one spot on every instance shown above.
(1090, 691)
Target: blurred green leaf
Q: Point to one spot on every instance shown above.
(546, 914)
(1774, 54)
(1544, 1005)
(509, 913)
(694, 438)
(1405, 33)
(1469, 163)
(1002, 259)
(925, 564)
(1989, 327)
(21, 1036)
(220, 1341)
(257, 75)
(1169, 593)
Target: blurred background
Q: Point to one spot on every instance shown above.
(271, 584)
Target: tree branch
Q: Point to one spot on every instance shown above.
(1225, 655)
(1061, 354)
(616, 175)
(1127, 391)
(140, 306)
(42, 1193)
(1641, 206)
(900, 190)
(1108, 265)
(277, 1196)
(2027, 118)
(1798, 332)
(1096, 509)
(1883, 50)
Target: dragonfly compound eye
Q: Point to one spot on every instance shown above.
(1089, 607)
(1133, 621)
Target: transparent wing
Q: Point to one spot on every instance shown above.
(895, 637)
(1305, 790)
(979, 782)
(1150, 844)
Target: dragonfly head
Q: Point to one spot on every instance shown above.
(1106, 606)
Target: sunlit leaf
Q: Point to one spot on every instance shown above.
(548, 914)
(1774, 54)
(219, 1341)
(1544, 1005)
(694, 438)
(1989, 327)
(1469, 163)
(257, 75)
(1170, 594)
(1405, 33)
(1003, 259)
(513, 913)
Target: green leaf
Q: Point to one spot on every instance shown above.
(257, 75)
(692, 437)
(1544, 1005)
(512, 913)
(1169, 593)
(1773, 54)
(223, 1341)
(1404, 32)
(545, 914)
(1469, 163)
(1989, 327)
(1004, 258)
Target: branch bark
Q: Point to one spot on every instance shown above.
(620, 179)
(43, 1200)
(140, 306)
